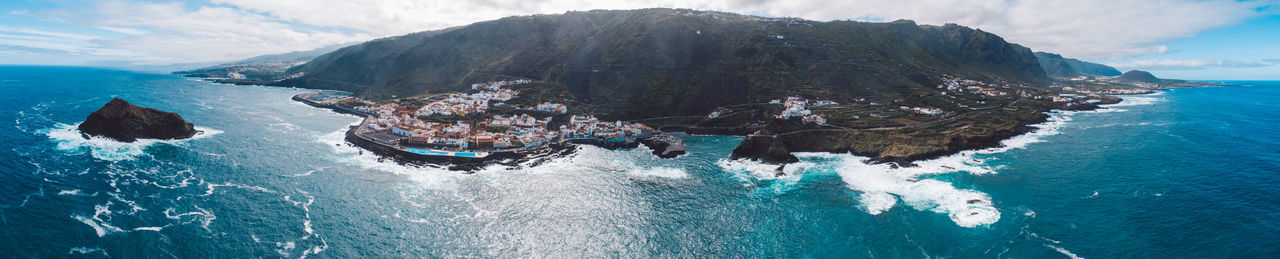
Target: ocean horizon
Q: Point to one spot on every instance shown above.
(1186, 172)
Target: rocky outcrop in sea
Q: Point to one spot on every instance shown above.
(123, 121)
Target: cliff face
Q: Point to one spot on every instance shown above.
(123, 121)
(660, 62)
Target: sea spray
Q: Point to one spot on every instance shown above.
(69, 139)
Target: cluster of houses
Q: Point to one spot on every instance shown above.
(957, 84)
(588, 127)
(923, 110)
(491, 94)
(1126, 91)
(497, 132)
(718, 112)
(549, 107)
(798, 107)
(463, 104)
(395, 124)
(497, 85)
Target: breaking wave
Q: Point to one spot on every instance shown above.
(425, 176)
(69, 139)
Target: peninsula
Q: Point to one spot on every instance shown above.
(465, 130)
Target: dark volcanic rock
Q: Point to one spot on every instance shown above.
(126, 122)
(766, 149)
(665, 149)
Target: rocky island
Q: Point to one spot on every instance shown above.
(123, 121)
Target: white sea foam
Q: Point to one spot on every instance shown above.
(877, 202)
(87, 250)
(75, 192)
(880, 183)
(1064, 251)
(584, 159)
(156, 229)
(765, 177)
(284, 248)
(308, 172)
(70, 192)
(759, 170)
(99, 226)
(427, 177)
(660, 172)
(283, 127)
(1138, 100)
(211, 187)
(68, 138)
(204, 216)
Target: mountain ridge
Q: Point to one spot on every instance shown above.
(259, 69)
(653, 62)
(1061, 67)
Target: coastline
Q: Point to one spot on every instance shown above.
(795, 143)
(470, 161)
(765, 147)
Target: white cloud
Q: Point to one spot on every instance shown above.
(43, 33)
(395, 17)
(124, 30)
(233, 29)
(1179, 64)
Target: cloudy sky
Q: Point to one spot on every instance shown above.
(1193, 39)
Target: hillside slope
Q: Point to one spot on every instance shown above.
(657, 62)
(1057, 66)
(259, 69)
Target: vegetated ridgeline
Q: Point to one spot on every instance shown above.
(1057, 66)
(649, 63)
(655, 62)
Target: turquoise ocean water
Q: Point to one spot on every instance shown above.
(1182, 173)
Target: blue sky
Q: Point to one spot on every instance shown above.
(1191, 39)
(1248, 51)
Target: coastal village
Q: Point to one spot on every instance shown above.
(481, 122)
(477, 132)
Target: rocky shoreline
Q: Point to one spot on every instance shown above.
(761, 145)
(508, 158)
(534, 156)
(772, 148)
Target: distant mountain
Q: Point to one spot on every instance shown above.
(1057, 66)
(260, 69)
(636, 63)
(1139, 76)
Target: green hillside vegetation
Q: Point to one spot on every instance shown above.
(671, 67)
(1057, 66)
(659, 62)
